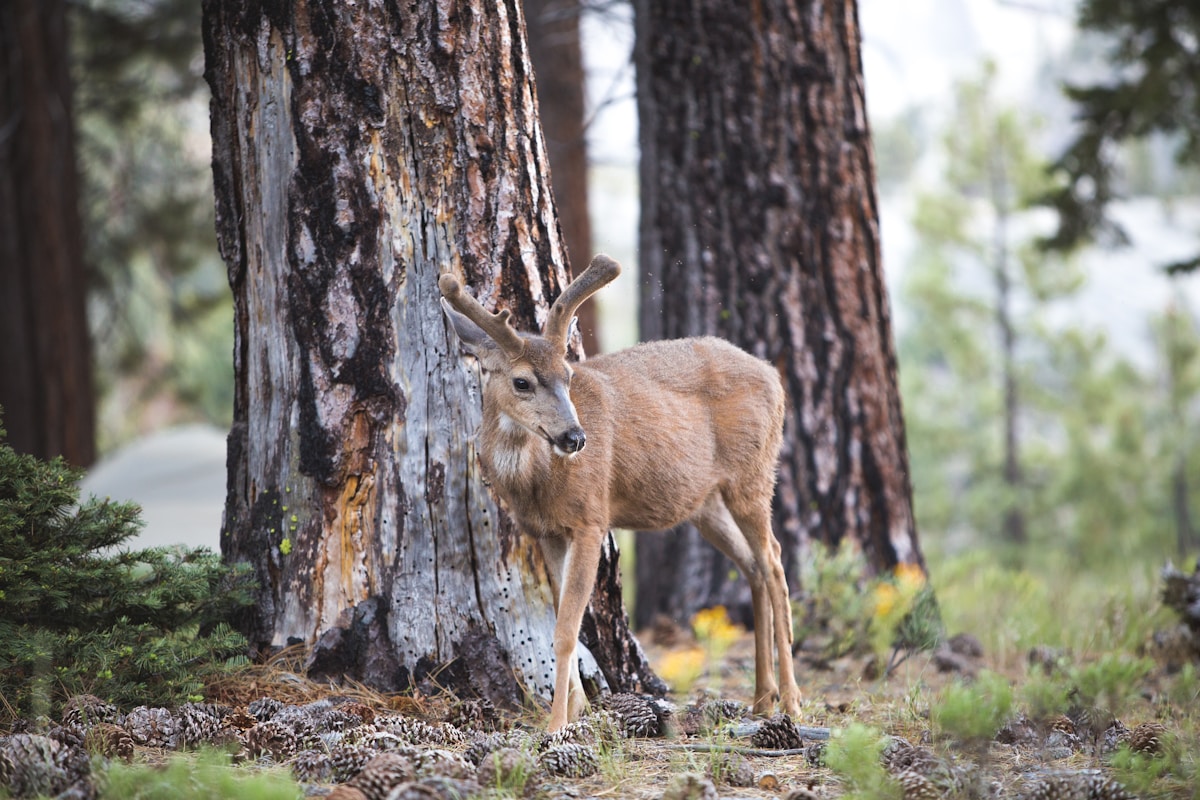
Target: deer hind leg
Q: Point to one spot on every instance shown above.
(756, 525)
(717, 526)
(572, 563)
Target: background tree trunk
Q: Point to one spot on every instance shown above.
(557, 57)
(45, 353)
(760, 225)
(359, 151)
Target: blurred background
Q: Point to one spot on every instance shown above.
(1064, 378)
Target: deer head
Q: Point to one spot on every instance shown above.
(528, 375)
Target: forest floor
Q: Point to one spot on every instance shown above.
(944, 724)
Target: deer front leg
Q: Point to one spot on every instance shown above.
(572, 561)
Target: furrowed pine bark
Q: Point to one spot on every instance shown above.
(557, 56)
(45, 349)
(359, 151)
(760, 224)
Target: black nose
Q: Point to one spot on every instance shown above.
(572, 441)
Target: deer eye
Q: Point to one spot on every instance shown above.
(522, 385)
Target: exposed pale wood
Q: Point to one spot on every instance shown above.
(360, 150)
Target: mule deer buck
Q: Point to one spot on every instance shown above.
(645, 438)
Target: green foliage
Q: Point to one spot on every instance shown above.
(1102, 446)
(1044, 696)
(1140, 772)
(1110, 681)
(1147, 90)
(161, 310)
(196, 777)
(842, 612)
(853, 754)
(78, 615)
(972, 713)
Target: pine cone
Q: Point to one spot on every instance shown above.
(635, 716)
(570, 761)
(383, 773)
(153, 727)
(312, 766)
(690, 786)
(899, 755)
(1075, 786)
(416, 791)
(199, 725)
(348, 761)
(778, 733)
(444, 764)
(443, 788)
(416, 731)
(110, 741)
(272, 738)
(802, 793)
(68, 736)
(1114, 735)
(814, 754)
(1019, 731)
(264, 708)
(718, 712)
(33, 765)
(87, 709)
(348, 792)
(917, 787)
(1149, 738)
(732, 769)
(500, 767)
(474, 715)
(364, 712)
(580, 732)
(482, 746)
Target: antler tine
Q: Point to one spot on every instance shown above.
(494, 325)
(599, 273)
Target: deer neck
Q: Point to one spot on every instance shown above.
(518, 461)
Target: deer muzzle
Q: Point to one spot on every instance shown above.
(571, 441)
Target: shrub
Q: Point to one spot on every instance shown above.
(77, 615)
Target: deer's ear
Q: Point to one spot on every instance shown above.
(472, 337)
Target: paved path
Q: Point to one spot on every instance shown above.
(177, 476)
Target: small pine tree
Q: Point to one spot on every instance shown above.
(79, 615)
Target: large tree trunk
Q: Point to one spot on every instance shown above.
(45, 352)
(557, 57)
(360, 151)
(760, 224)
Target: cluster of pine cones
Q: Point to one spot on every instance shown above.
(369, 755)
